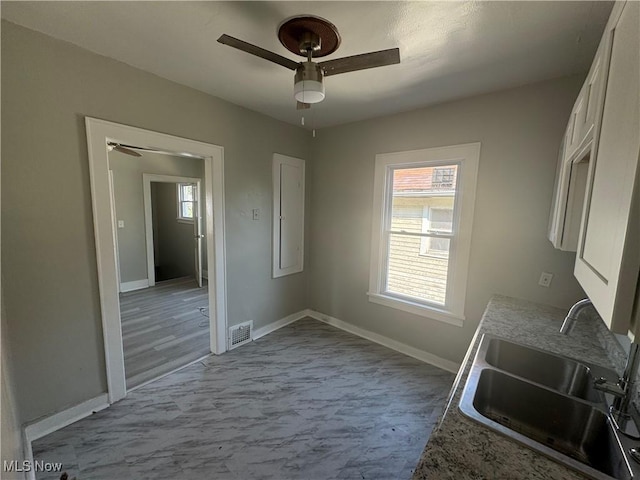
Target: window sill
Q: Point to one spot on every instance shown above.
(417, 309)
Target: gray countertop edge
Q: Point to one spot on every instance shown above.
(462, 449)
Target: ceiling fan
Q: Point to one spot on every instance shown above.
(131, 149)
(312, 37)
(126, 149)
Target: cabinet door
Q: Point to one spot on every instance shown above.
(594, 89)
(572, 136)
(566, 210)
(573, 164)
(608, 254)
(559, 202)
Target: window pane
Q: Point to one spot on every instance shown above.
(412, 273)
(187, 209)
(419, 203)
(187, 192)
(438, 219)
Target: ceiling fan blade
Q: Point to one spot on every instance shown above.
(361, 62)
(127, 151)
(258, 52)
(302, 106)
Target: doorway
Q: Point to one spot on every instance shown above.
(102, 134)
(174, 236)
(173, 227)
(163, 305)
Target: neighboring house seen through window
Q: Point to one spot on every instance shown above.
(443, 176)
(436, 220)
(423, 212)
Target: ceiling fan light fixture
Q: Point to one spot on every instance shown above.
(308, 91)
(308, 84)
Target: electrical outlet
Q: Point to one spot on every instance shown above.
(120, 223)
(545, 279)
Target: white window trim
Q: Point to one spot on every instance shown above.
(468, 157)
(180, 218)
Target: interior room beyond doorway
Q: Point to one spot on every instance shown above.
(164, 303)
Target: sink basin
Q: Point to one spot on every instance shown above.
(546, 402)
(560, 373)
(557, 422)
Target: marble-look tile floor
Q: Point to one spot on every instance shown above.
(307, 401)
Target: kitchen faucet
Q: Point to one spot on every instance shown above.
(572, 316)
(622, 390)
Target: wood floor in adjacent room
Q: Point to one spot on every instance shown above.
(307, 402)
(163, 328)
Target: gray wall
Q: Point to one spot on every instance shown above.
(520, 131)
(48, 247)
(175, 252)
(128, 193)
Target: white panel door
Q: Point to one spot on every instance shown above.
(288, 215)
(197, 232)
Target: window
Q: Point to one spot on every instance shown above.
(438, 220)
(186, 202)
(443, 177)
(423, 211)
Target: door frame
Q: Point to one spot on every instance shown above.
(147, 179)
(99, 133)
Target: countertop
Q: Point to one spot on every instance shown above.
(460, 448)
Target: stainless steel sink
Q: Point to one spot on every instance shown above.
(546, 402)
(559, 373)
(575, 429)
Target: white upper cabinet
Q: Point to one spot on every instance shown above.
(574, 158)
(608, 255)
(589, 103)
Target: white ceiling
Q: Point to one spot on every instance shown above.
(448, 49)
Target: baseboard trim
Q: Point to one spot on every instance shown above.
(28, 456)
(283, 322)
(416, 353)
(50, 424)
(134, 285)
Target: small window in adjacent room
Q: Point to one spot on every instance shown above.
(186, 202)
(423, 211)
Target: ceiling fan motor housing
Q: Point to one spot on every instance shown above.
(310, 42)
(308, 83)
